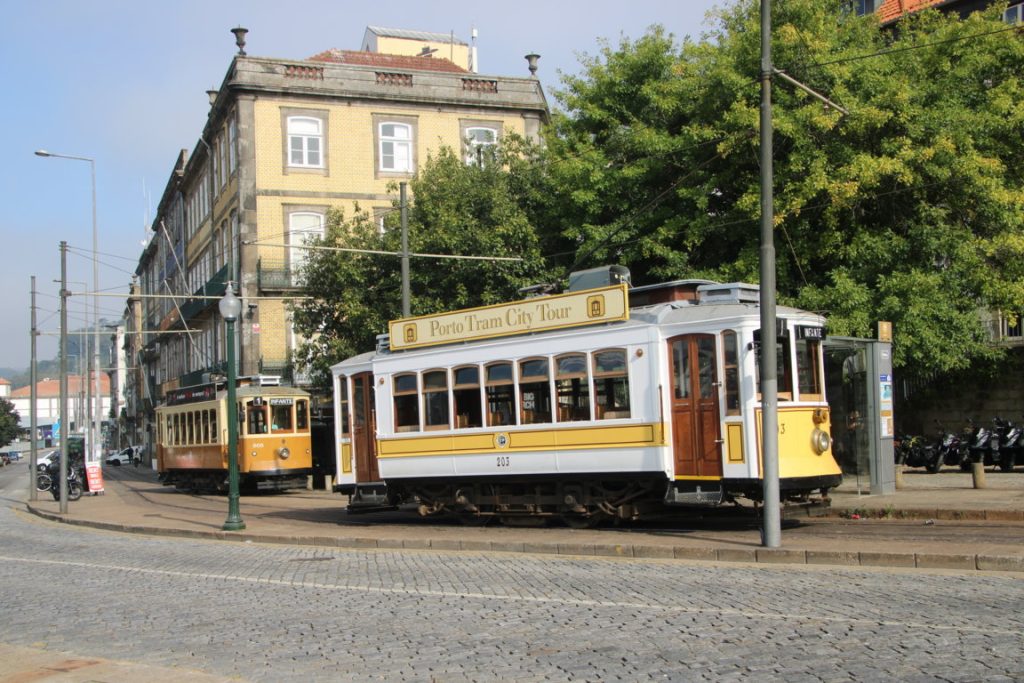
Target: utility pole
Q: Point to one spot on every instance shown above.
(33, 421)
(63, 483)
(406, 307)
(771, 534)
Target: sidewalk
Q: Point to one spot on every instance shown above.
(936, 521)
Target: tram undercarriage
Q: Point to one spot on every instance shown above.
(579, 503)
(216, 481)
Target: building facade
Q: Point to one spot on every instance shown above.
(284, 142)
(48, 403)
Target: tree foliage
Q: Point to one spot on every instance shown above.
(458, 209)
(909, 209)
(9, 429)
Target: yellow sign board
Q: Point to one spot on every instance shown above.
(588, 307)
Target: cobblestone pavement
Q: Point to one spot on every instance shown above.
(283, 613)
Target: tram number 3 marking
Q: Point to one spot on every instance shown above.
(504, 461)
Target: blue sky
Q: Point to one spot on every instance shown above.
(124, 82)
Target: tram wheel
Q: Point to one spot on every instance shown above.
(576, 521)
(522, 521)
(469, 519)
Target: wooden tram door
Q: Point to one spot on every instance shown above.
(696, 425)
(364, 428)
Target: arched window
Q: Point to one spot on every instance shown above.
(500, 398)
(466, 391)
(407, 403)
(480, 143)
(611, 384)
(534, 391)
(572, 387)
(303, 227)
(435, 399)
(305, 142)
(396, 147)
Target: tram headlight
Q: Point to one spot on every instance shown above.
(284, 453)
(820, 441)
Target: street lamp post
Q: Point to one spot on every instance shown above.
(230, 306)
(95, 429)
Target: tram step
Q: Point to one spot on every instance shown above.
(687, 493)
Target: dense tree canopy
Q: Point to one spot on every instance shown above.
(909, 209)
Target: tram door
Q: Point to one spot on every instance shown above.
(696, 426)
(364, 428)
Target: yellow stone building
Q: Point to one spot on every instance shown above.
(284, 141)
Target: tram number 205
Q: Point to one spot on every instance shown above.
(504, 461)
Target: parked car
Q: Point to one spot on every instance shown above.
(46, 459)
(122, 457)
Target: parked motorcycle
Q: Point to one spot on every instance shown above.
(1010, 444)
(983, 445)
(951, 449)
(915, 451)
(48, 481)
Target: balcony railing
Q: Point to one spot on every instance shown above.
(214, 287)
(277, 274)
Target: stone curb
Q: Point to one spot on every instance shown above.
(775, 556)
(927, 513)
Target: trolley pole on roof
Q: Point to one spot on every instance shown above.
(771, 533)
(406, 307)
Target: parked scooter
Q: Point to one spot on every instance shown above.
(951, 449)
(983, 444)
(1010, 444)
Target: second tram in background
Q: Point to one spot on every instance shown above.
(274, 444)
(596, 403)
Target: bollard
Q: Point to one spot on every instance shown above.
(978, 474)
(309, 482)
(899, 477)
(328, 483)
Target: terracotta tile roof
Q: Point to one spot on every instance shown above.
(376, 59)
(890, 10)
(4, 381)
(51, 387)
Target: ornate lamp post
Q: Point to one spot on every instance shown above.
(230, 307)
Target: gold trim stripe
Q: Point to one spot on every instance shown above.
(652, 434)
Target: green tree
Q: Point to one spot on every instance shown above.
(910, 209)
(458, 209)
(9, 429)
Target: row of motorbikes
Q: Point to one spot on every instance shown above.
(1001, 445)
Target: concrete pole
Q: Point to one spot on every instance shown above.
(771, 535)
(63, 483)
(406, 296)
(33, 408)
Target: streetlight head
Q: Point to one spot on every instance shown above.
(230, 305)
(42, 153)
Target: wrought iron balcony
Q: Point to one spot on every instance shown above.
(276, 274)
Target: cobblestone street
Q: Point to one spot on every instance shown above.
(277, 613)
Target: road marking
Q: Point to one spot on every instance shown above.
(425, 592)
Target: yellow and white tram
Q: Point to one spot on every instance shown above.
(580, 406)
(274, 443)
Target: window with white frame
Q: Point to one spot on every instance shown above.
(305, 142)
(1014, 14)
(303, 226)
(395, 141)
(479, 143)
(232, 143)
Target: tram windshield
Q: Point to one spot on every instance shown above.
(783, 371)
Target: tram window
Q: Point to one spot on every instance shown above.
(785, 385)
(680, 369)
(280, 418)
(302, 415)
(572, 388)
(535, 391)
(407, 410)
(214, 434)
(732, 373)
(611, 384)
(205, 420)
(466, 392)
(500, 398)
(435, 399)
(177, 429)
(808, 362)
(190, 419)
(257, 418)
(343, 405)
